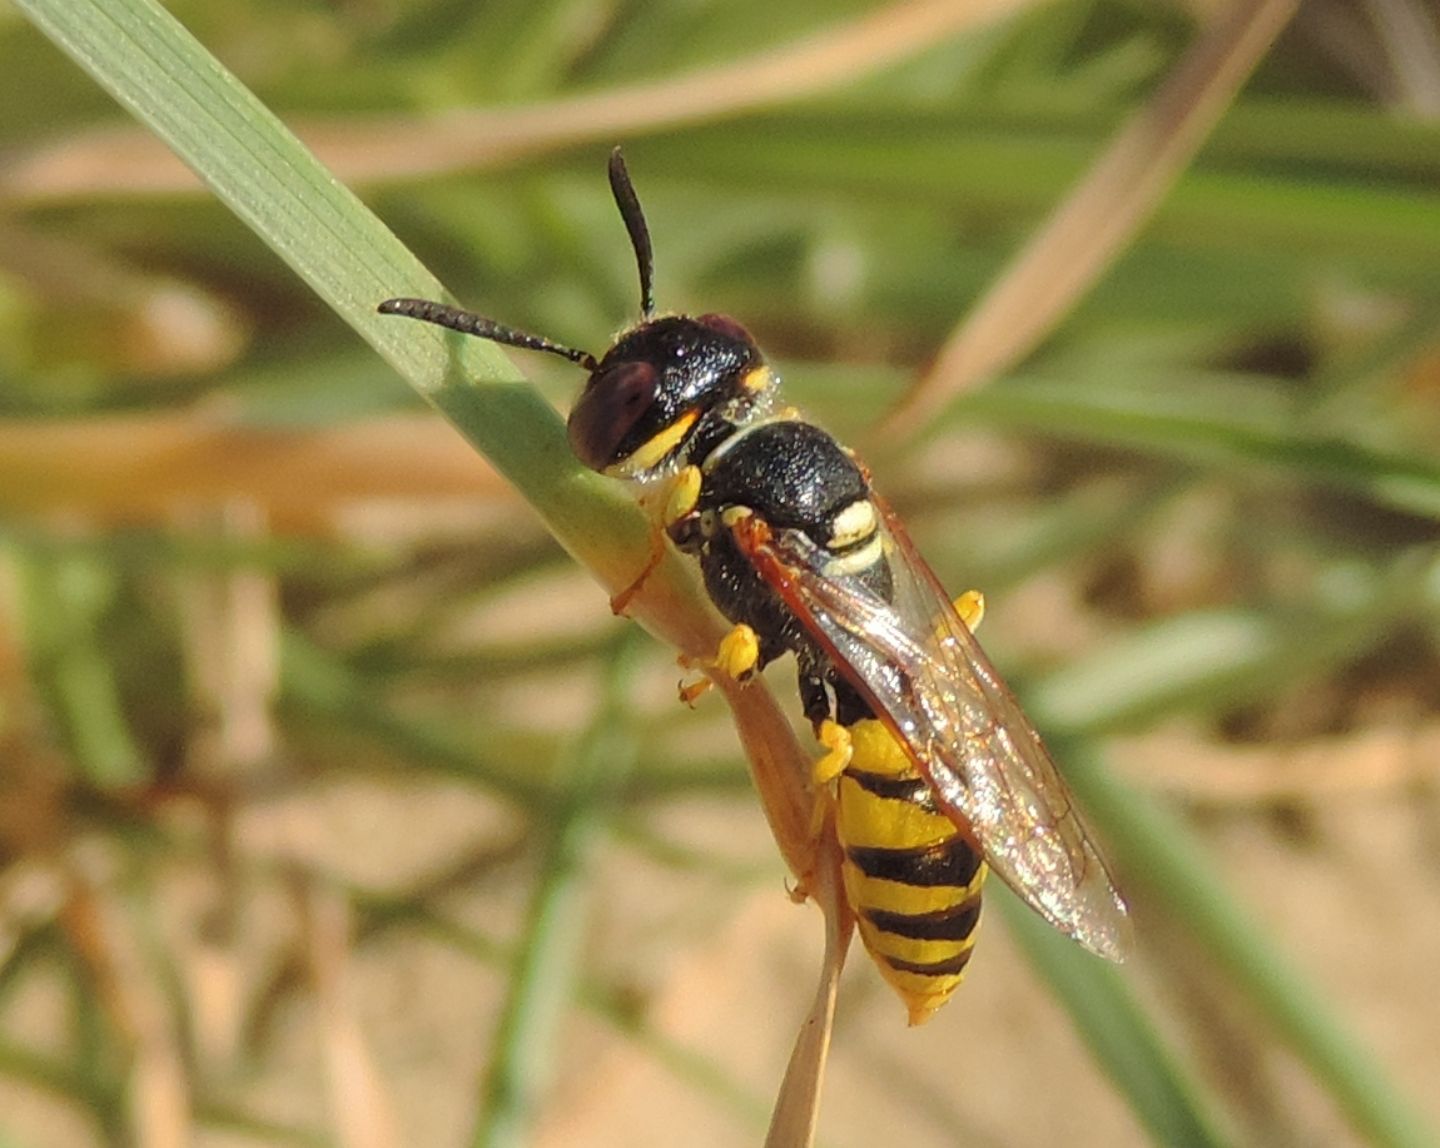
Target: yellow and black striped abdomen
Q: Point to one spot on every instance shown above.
(911, 879)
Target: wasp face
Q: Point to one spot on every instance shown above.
(645, 398)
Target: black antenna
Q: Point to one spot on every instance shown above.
(629, 204)
(469, 323)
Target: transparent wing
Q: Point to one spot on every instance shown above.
(925, 675)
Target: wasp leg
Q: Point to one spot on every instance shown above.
(835, 739)
(681, 495)
(814, 694)
(818, 705)
(838, 752)
(738, 657)
(620, 603)
(971, 608)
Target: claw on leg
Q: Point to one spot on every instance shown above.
(738, 657)
(620, 603)
(692, 692)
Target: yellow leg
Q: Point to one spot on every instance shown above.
(971, 608)
(835, 739)
(737, 657)
(739, 653)
(680, 497)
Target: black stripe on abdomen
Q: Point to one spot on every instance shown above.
(953, 924)
(951, 968)
(911, 790)
(930, 866)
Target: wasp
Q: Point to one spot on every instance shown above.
(933, 772)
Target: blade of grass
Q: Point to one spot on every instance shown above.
(392, 148)
(1204, 660)
(992, 166)
(137, 467)
(66, 597)
(795, 1120)
(1412, 41)
(250, 161)
(542, 981)
(1215, 420)
(1176, 1108)
(1245, 655)
(157, 1091)
(1086, 233)
(358, 1097)
(265, 176)
(1156, 849)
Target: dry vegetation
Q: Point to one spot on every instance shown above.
(335, 809)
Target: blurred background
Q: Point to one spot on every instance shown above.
(337, 809)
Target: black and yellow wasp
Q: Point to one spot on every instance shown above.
(934, 771)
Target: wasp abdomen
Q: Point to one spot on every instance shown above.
(912, 880)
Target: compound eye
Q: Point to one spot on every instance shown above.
(613, 402)
(724, 325)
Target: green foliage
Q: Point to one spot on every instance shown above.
(1250, 388)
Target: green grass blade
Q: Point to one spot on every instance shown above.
(1216, 421)
(603, 1000)
(66, 598)
(1173, 1106)
(251, 162)
(1154, 846)
(254, 165)
(321, 689)
(543, 979)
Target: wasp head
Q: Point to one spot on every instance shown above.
(664, 381)
(648, 397)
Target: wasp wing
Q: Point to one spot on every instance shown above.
(925, 675)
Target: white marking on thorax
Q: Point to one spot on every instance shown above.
(854, 524)
(857, 561)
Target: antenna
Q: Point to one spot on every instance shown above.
(629, 204)
(469, 323)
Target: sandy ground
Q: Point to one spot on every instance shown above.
(722, 971)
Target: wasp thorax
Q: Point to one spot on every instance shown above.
(648, 395)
